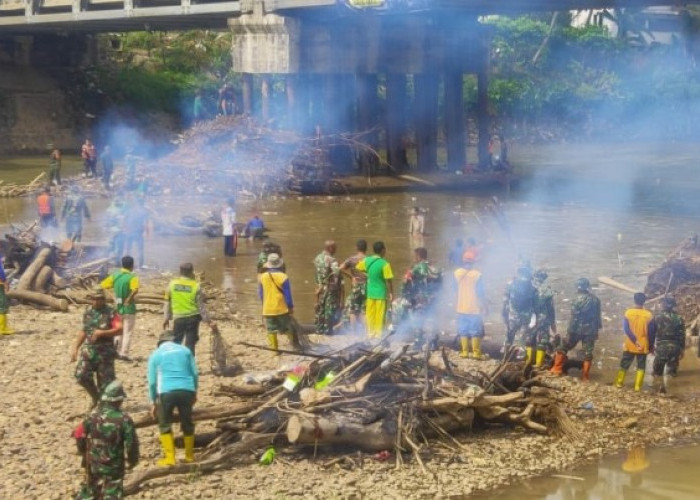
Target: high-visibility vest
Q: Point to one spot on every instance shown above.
(44, 202)
(183, 293)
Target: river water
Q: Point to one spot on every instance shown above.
(589, 210)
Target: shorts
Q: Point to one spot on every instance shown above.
(278, 324)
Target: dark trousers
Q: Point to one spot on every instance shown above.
(628, 357)
(187, 329)
(183, 401)
(230, 245)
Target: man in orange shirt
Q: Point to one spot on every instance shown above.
(640, 331)
(46, 209)
(471, 306)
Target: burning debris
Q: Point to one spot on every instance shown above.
(375, 398)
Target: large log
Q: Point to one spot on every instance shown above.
(43, 278)
(378, 436)
(39, 299)
(145, 419)
(27, 278)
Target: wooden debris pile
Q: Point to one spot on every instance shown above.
(679, 276)
(372, 398)
(11, 190)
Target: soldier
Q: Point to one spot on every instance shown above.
(584, 324)
(639, 329)
(268, 248)
(95, 344)
(354, 309)
(670, 340)
(420, 289)
(103, 438)
(73, 210)
(4, 302)
(545, 319)
(519, 306)
(328, 289)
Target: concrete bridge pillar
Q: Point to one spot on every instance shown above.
(454, 120)
(425, 121)
(396, 121)
(248, 92)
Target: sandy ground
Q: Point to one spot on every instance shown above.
(41, 402)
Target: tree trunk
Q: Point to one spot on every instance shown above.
(377, 436)
(43, 278)
(25, 282)
(145, 419)
(40, 299)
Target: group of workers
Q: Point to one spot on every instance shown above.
(106, 437)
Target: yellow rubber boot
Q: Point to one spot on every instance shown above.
(167, 442)
(620, 378)
(272, 341)
(528, 355)
(189, 448)
(4, 329)
(639, 380)
(539, 358)
(464, 342)
(476, 347)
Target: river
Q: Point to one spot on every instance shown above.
(585, 210)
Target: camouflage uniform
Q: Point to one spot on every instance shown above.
(546, 317)
(108, 434)
(4, 302)
(421, 285)
(518, 307)
(670, 341)
(73, 211)
(584, 324)
(328, 283)
(269, 248)
(96, 356)
(356, 300)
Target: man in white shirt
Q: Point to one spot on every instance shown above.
(228, 222)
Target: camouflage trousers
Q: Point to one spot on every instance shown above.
(537, 337)
(587, 342)
(518, 323)
(327, 311)
(667, 354)
(4, 302)
(355, 303)
(95, 361)
(102, 488)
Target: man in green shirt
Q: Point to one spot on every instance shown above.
(125, 285)
(380, 290)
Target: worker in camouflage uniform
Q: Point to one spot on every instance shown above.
(354, 310)
(4, 302)
(268, 248)
(420, 289)
(545, 320)
(329, 286)
(670, 340)
(73, 211)
(94, 348)
(584, 324)
(103, 438)
(519, 306)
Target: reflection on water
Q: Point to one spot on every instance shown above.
(669, 473)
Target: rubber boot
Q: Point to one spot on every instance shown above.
(272, 341)
(4, 329)
(189, 448)
(294, 340)
(528, 355)
(464, 342)
(586, 371)
(639, 380)
(620, 378)
(539, 358)
(476, 347)
(559, 361)
(167, 442)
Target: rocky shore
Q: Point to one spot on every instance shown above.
(41, 403)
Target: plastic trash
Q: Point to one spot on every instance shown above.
(268, 457)
(588, 405)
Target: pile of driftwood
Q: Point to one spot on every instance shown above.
(11, 190)
(388, 399)
(679, 276)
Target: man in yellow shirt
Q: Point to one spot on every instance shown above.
(639, 328)
(380, 290)
(471, 306)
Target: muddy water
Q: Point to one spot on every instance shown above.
(589, 211)
(671, 474)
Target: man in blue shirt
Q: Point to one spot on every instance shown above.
(172, 383)
(4, 302)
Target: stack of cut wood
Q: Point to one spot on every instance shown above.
(372, 398)
(11, 190)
